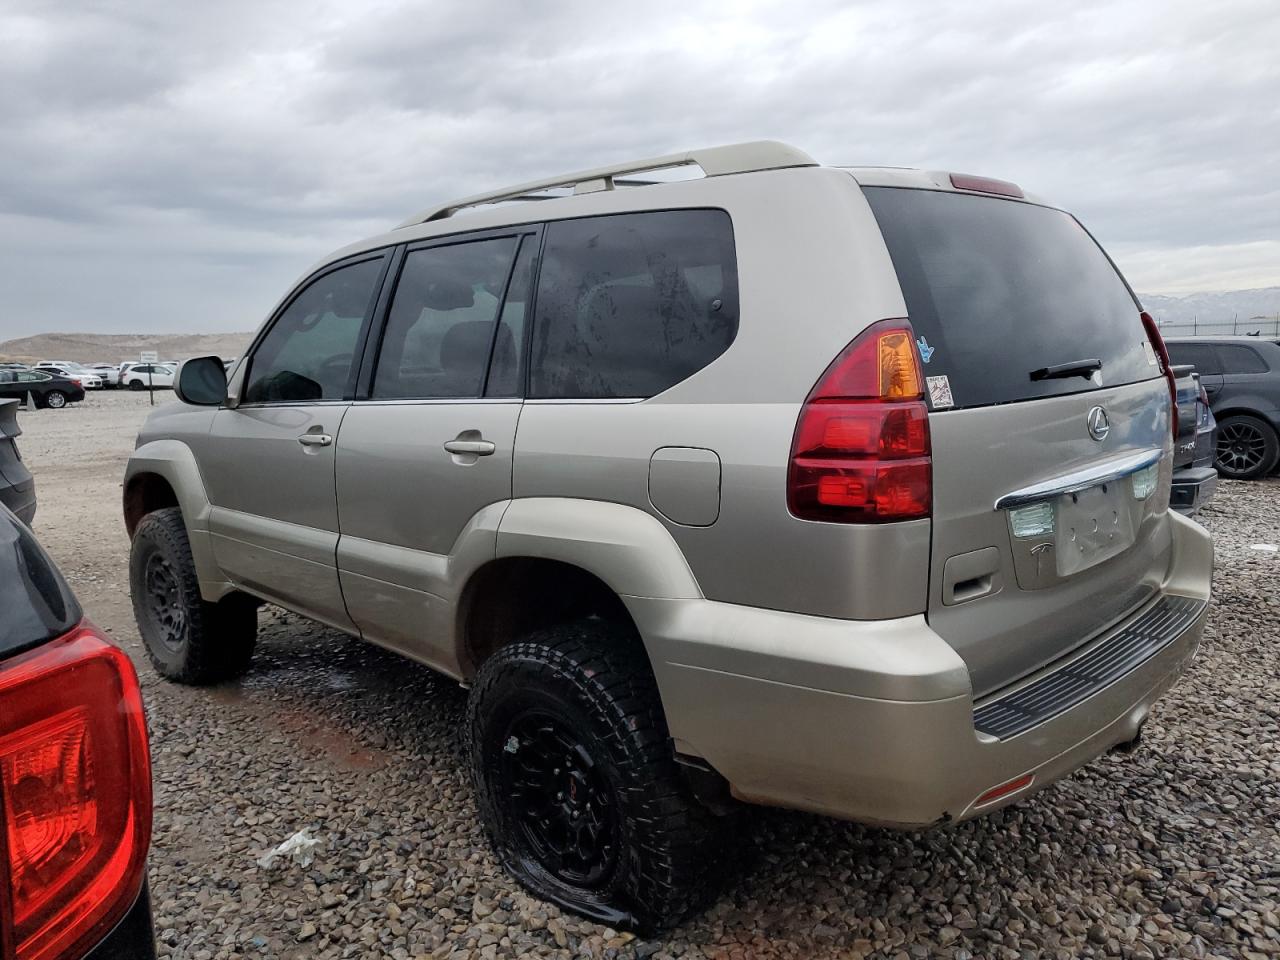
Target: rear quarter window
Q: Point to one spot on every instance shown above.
(996, 289)
(1199, 355)
(631, 304)
(1237, 358)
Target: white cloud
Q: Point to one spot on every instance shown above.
(196, 157)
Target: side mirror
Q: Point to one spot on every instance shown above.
(201, 381)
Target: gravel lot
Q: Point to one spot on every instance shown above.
(1171, 851)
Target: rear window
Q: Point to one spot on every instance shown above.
(996, 289)
(36, 604)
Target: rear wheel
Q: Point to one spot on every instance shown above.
(1247, 447)
(577, 782)
(55, 399)
(188, 639)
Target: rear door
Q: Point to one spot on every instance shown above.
(1049, 425)
(428, 444)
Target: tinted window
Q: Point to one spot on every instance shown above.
(506, 371)
(307, 353)
(1237, 358)
(441, 325)
(998, 288)
(36, 602)
(1201, 355)
(629, 305)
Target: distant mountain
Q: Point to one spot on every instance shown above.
(118, 347)
(1234, 311)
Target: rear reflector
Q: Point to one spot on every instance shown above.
(1013, 786)
(75, 795)
(861, 447)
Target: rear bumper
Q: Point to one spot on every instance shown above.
(874, 721)
(1193, 487)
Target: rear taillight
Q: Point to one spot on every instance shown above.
(861, 448)
(75, 795)
(1157, 344)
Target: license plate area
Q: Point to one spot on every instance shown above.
(1092, 526)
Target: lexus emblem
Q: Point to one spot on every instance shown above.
(1099, 425)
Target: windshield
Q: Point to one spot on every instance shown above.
(1009, 301)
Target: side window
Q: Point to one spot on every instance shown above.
(1199, 354)
(631, 304)
(1237, 358)
(307, 353)
(440, 328)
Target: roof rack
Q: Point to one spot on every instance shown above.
(714, 161)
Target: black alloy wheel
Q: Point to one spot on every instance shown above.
(1247, 448)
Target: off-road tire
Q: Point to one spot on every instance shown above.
(189, 641)
(594, 678)
(1258, 447)
(55, 399)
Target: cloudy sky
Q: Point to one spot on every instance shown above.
(174, 166)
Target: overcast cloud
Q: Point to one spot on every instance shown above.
(174, 166)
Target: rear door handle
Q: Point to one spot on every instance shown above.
(315, 439)
(481, 448)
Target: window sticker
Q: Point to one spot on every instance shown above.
(926, 351)
(940, 393)
(1150, 351)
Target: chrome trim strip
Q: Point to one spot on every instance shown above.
(1079, 480)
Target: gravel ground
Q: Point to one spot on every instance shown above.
(1171, 851)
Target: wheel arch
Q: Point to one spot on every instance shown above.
(164, 473)
(560, 559)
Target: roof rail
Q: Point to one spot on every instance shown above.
(714, 161)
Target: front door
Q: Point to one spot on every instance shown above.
(269, 461)
(425, 458)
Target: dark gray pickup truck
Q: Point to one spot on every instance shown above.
(1194, 476)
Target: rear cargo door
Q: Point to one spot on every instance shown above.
(1049, 420)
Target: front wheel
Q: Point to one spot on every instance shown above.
(188, 639)
(55, 399)
(577, 782)
(1248, 447)
(137, 385)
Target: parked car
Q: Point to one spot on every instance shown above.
(45, 388)
(1242, 378)
(688, 547)
(1194, 478)
(17, 487)
(75, 776)
(73, 371)
(145, 376)
(109, 373)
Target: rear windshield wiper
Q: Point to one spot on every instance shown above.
(1061, 371)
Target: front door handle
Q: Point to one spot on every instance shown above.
(315, 439)
(481, 448)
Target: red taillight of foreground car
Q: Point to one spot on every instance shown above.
(1162, 351)
(861, 448)
(75, 795)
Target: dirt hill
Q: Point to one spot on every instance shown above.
(118, 347)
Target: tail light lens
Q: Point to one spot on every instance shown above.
(75, 796)
(1162, 351)
(861, 448)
